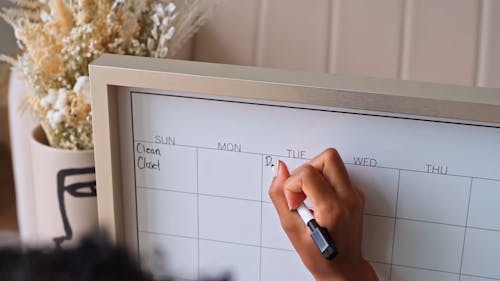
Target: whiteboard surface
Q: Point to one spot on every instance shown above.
(202, 174)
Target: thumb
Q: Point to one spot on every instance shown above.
(276, 191)
(293, 199)
(281, 172)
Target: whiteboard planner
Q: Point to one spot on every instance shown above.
(202, 172)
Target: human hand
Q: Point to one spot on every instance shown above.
(338, 206)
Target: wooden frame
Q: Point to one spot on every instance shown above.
(110, 72)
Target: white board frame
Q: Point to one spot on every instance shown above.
(470, 105)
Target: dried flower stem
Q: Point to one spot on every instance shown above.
(60, 38)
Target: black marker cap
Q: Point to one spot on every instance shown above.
(323, 240)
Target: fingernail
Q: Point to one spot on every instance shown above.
(276, 169)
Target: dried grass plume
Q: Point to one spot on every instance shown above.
(60, 38)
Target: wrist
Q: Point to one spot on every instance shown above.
(354, 272)
(368, 272)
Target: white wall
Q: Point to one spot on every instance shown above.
(7, 46)
(445, 41)
(7, 39)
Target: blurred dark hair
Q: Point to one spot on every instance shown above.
(94, 259)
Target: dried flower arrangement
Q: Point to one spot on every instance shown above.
(59, 38)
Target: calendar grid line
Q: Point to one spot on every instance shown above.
(252, 197)
(395, 221)
(444, 271)
(366, 214)
(468, 203)
(345, 163)
(479, 276)
(292, 251)
(215, 240)
(433, 222)
(135, 175)
(466, 223)
(261, 214)
(217, 149)
(202, 194)
(434, 270)
(418, 267)
(198, 211)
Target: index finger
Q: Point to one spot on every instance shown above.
(330, 164)
(309, 181)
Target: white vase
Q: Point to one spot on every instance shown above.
(65, 192)
(21, 125)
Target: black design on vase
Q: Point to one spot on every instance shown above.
(78, 190)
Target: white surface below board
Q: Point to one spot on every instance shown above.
(202, 175)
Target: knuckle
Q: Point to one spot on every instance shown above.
(331, 154)
(307, 171)
(329, 215)
(328, 209)
(356, 203)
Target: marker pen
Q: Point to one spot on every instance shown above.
(320, 235)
